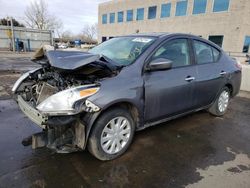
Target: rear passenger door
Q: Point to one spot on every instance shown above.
(210, 77)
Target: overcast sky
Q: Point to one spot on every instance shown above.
(73, 13)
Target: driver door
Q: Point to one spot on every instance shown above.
(169, 92)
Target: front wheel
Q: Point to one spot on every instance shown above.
(220, 105)
(112, 134)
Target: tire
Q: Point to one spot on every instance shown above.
(105, 141)
(216, 109)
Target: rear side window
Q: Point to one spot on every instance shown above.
(205, 53)
(176, 50)
(216, 54)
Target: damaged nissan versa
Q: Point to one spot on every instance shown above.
(98, 99)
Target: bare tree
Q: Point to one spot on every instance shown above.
(37, 16)
(67, 35)
(58, 28)
(90, 31)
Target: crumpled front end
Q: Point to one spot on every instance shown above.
(57, 103)
(62, 115)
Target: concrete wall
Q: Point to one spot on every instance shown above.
(233, 24)
(245, 84)
(36, 37)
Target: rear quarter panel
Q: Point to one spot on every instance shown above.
(234, 74)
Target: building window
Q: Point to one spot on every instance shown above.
(199, 6)
(120, 17)
(140, 14)
(165, 10)
(217, 39)
(246, 44)
(181, 8)
(152, 12)
(221, 5)
(129, 15)
(112, 18)
(104, 18)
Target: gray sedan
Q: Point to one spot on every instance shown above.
(98, 99)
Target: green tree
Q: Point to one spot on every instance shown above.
(6, 22)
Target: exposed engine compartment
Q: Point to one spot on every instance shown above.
(61, 70)
(48, 81)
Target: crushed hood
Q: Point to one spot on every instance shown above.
(70, 60)
(66, 60)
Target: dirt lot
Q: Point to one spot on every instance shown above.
(7, 79)
(198, 150)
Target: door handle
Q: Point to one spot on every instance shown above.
(190, 78)
(223, 73)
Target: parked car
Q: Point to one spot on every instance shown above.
(98, 99)
(63, 46)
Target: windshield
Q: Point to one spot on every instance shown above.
(123, 50)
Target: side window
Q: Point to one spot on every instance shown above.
(216, 54)
(203, 52)
(176, 50)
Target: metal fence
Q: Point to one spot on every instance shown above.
(24, 39)
(242, 57)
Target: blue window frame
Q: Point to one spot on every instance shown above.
(112, 18)
(140, 14)
(120, 17)
(152, 12)
(221, 5)
(129, 15)
(165, 10)
(104, 18)
(181, 8)
(246, 44)
(199, 6)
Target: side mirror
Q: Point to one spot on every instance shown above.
(159, 64)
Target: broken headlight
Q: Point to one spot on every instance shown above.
(22, 78)
(62, 103)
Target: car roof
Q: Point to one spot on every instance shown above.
(153, 34)
(165, 35)
(160, 34)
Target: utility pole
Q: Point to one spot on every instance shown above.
(12, 31)
(9, 33)
(51, 37)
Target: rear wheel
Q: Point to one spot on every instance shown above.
(220, 106)
(112, 134)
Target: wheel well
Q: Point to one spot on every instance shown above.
(125, 105)
(230, 87)
(128, 106)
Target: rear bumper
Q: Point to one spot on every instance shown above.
(33, 114)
